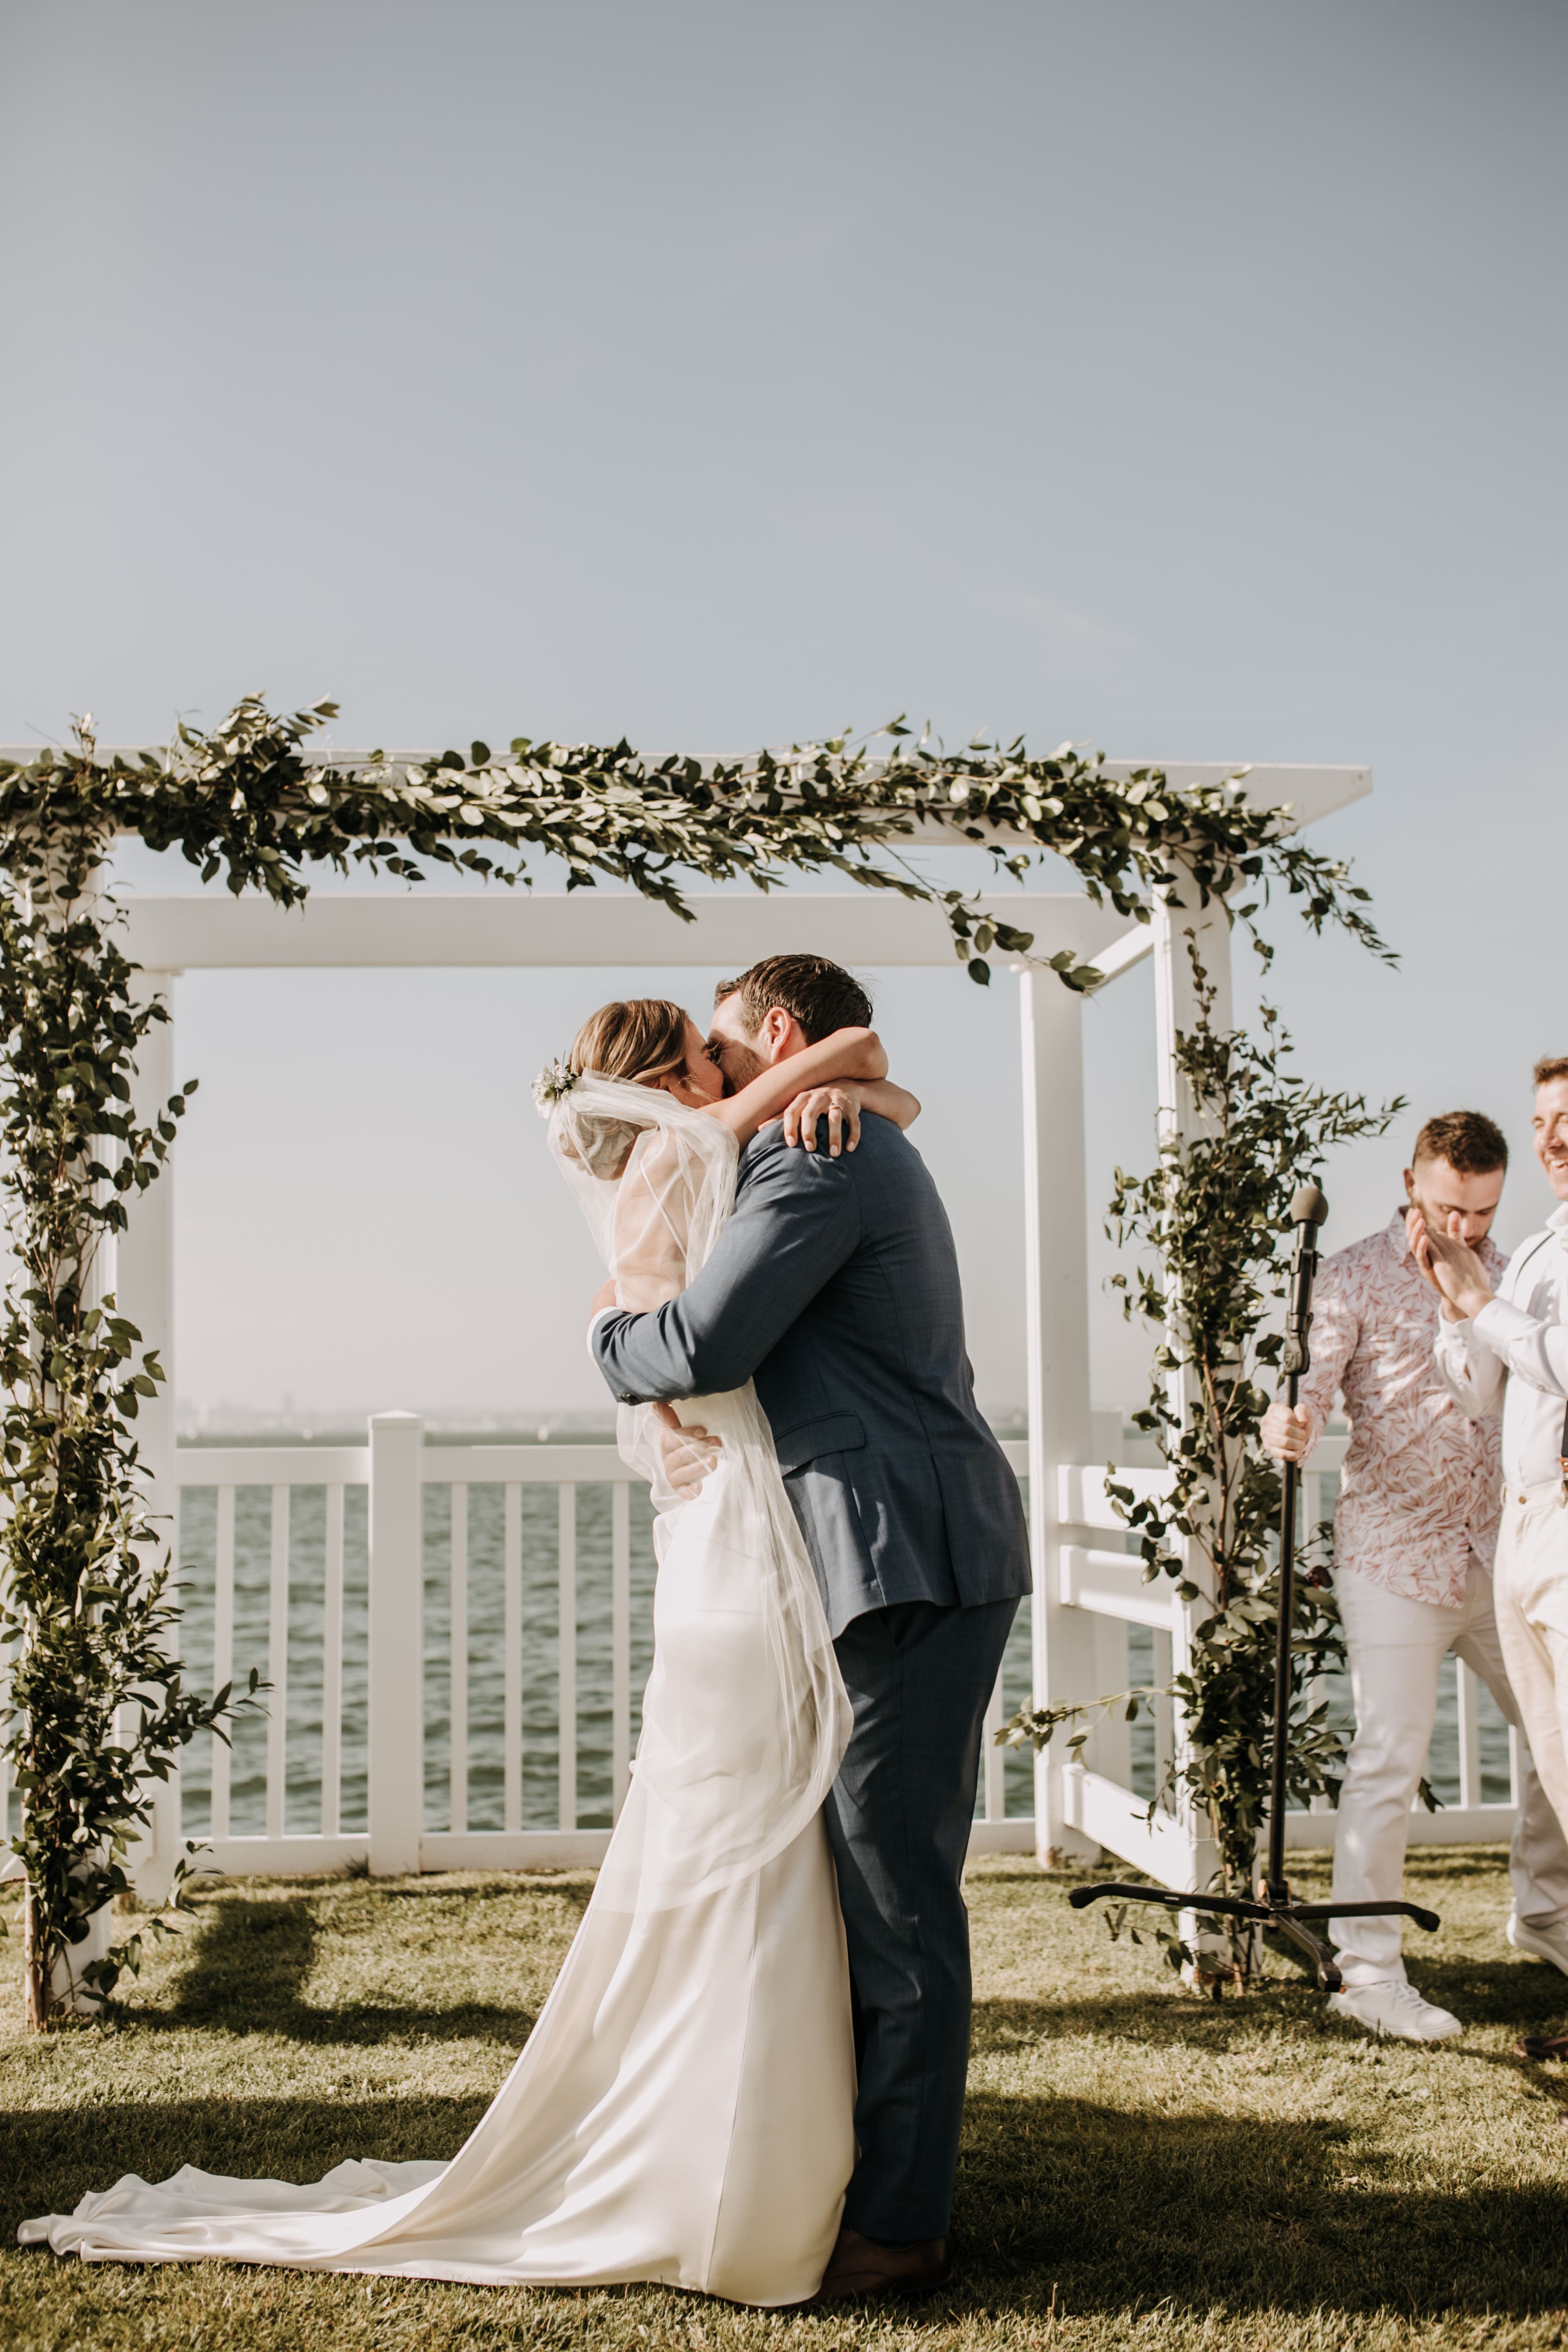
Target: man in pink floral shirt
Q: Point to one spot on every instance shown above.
(1415, 1530)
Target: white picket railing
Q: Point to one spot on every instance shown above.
(392, 1471)
(394, 1468)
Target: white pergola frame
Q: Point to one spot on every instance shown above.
(1079, 1591)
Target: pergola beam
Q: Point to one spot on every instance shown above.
(598, 926)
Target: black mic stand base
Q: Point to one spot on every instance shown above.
(1275, 1908)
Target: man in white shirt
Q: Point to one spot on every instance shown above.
(1414, 1528)
(1511, 1349)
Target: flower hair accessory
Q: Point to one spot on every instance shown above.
(554, 1081)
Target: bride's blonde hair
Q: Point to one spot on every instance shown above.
(644, 1038)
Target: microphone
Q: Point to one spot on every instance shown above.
(1308, 1206)
(1309, 1209)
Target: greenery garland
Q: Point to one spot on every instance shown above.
(245, 802)
(89, 1614)
(88, 1611)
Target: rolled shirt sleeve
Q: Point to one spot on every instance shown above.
(1468, 1366)
(1533, 1350)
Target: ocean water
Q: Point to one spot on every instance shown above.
(540, 1656)
(539, 1766)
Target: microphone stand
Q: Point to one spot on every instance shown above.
(1275, 1907)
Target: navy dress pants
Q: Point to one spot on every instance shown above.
(918, 1677)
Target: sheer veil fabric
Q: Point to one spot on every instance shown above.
(683, 2112)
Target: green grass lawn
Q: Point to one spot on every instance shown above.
(1139, 2166)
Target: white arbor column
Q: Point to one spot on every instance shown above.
(1055, 1292)
(395, 1761)
(1178, 929)
(141, 1273)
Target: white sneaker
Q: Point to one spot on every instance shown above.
(1394, 2012)
(1546, 1943)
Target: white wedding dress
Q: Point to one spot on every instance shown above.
(683, 2110)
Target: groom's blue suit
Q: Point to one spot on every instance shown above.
(834, 1286)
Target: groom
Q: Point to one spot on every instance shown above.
(834, 1286)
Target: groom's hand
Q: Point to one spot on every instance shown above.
(688, 1454)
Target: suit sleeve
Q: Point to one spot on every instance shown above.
(795, 1223)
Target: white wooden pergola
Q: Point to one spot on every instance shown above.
(1085, 1592)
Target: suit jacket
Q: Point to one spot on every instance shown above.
(834, 1286)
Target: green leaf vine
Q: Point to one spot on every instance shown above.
(1207, 1218)
(95, 1709)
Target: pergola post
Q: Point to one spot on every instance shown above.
(141, 1276)
(1178, 930)
(1055, 1310)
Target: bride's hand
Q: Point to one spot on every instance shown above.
(839, 1104)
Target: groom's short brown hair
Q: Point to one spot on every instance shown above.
(820, 995)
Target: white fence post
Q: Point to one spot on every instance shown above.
(1055, 1307)
(397, 1708)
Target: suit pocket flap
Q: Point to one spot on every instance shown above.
(838, 1433)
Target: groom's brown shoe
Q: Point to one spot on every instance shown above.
(860, 2265)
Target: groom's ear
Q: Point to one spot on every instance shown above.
(780, 1035)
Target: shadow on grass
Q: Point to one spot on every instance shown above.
(245, 1970)
(1481, 1993)
(1113, 2210)
(1200, 2213)
(56, 2155)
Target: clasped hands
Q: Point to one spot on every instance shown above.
(839, 1103)
(1449, 1263)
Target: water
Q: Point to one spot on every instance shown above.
(540, 1764)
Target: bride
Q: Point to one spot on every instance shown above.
(682, 2111)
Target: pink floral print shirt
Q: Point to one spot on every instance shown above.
(1421, 1488)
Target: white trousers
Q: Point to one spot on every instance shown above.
(1396, 1648)
(1532, 1620)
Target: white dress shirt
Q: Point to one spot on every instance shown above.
(1514, 1353)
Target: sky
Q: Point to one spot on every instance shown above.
(1180, 376)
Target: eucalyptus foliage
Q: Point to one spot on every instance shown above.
(95, 1710)
(248, 802)
(1207, 1219)
(89, 1612)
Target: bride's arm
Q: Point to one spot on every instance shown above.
(848, 1054)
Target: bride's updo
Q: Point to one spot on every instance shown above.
(640, 1040)
(644, 1039)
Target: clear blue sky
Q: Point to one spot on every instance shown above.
(1182, 375)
